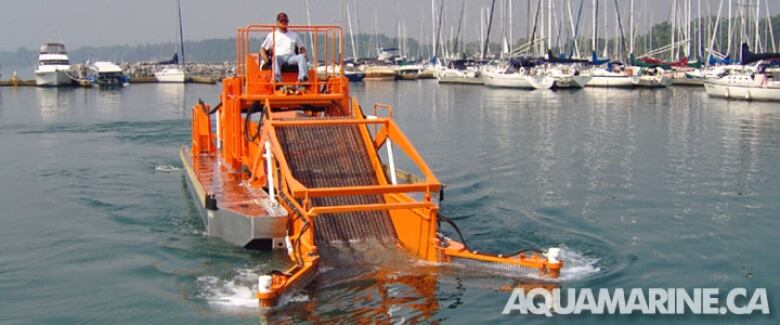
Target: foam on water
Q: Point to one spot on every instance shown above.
(166, 168)
(577, 265)
(237, 292)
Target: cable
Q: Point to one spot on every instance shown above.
(214, 110)
(252, 109)
(457, 230)
(466, 246)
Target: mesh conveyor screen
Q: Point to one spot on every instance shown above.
(336, 156)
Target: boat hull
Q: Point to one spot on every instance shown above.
(355, 77)
(56, 78)
(612, 81)
(740, 92)
(169, 77)
(695, 82)
(571, 82)
(653, 82)
(460, 80)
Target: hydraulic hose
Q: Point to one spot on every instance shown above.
(466, 246)
(248, 119)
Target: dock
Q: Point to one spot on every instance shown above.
(17, 83)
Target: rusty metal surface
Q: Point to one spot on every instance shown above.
(335, 156)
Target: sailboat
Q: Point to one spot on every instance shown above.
(173, 73)
(759, 81)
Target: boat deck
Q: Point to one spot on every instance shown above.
(245, 213)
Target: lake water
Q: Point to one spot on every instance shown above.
(642, 188)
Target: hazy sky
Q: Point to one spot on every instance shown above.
(28, 23)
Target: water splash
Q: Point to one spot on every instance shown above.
(577, 265)
(166, 168)
(237, 292)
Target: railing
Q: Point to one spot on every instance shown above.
(325, 60)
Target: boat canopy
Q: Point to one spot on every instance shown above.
(750, 57)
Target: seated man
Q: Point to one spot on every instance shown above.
(285, 43)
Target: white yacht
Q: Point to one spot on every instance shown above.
(53, 66)
(759, 82)
(170, 74)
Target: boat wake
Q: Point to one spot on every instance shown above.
(237, 293)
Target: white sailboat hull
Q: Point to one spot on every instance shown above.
(742, 92)
(170, 75)
(612, 81)
(571, 82)
(518, 81)
(653, 82)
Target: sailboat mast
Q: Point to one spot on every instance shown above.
(631, 29)
(181, 35)
(728, 42)
(594, 42)
(351, 33)
(549, 25)
(769, 26)
(460, 23)
(489, 26)
(674, 27)
(714, 34)
(511, 26)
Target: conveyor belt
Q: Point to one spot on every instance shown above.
(336, 156)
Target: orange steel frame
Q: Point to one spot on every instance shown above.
(415, 221)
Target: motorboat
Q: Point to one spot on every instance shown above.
(106, 74)
(409, 72)
(53, 66)
(379, 72)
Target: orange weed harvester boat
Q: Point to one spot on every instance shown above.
(306, 169)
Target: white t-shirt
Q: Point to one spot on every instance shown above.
(285, 43)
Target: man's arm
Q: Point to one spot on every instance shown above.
(299, 44)
(264, 49)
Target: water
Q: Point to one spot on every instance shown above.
(657, 188)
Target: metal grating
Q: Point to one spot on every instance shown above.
(335, 156)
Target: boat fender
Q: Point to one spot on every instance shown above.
(441, 194)
(211, 202)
